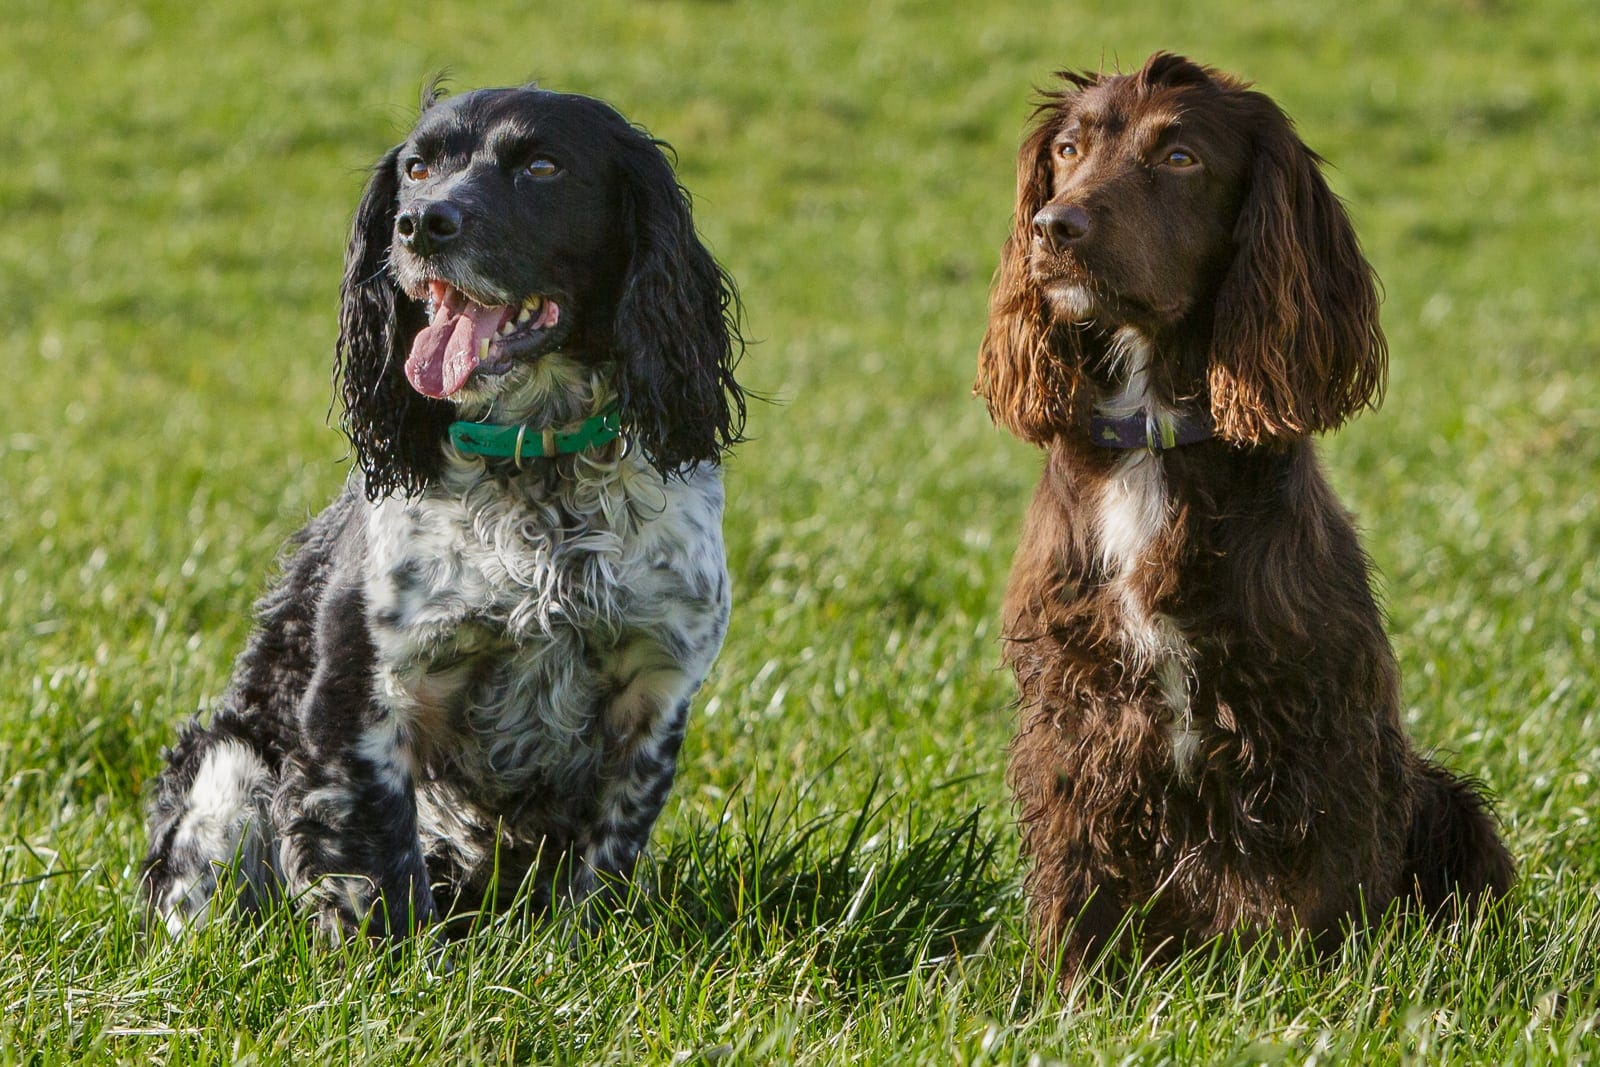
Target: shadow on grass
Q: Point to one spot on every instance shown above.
(872, 895)
(847, 898)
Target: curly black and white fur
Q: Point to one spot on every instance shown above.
(473, 675)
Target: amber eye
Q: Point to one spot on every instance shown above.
(416, 170)
(541, 168)
(1180, 158)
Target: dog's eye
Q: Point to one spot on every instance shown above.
(541, 168)
(1180, 158)
(1067, 150)
(416, 170)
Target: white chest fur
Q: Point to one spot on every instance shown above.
(510, 616)
(1133, 509)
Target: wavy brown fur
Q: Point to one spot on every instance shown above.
(1209, 734)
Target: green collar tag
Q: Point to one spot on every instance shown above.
(523, 442)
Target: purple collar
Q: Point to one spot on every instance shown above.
(1141, 431)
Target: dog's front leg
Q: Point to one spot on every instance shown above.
(639, 767)
(1075, 914)
(347, 806)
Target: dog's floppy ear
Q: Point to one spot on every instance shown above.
(676, 330)
(1029, 366)
(394, 430)
(1297, 348)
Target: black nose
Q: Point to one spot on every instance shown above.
(1059, 226)
(426, 228)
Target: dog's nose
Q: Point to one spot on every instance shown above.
(1059, 226)
(426, 228)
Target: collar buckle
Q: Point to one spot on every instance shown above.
(1144, 430)
(508, 442)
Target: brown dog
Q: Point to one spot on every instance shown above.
(1209, 733)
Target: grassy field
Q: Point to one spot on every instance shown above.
(836, 874)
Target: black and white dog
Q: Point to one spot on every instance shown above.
(473, 674)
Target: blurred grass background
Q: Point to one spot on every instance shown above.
(837, 871)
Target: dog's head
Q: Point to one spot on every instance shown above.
(521, 240)
(1179, 203)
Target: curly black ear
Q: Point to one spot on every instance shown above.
(394, 430)
(676, 330)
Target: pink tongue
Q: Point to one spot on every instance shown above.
(445, 353)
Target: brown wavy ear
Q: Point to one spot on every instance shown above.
(1028, 368)
(1297, 348)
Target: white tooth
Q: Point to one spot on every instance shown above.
(524, 317)
(483, 350)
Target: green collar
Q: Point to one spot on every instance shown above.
(524, 442)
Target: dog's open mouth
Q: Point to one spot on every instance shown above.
(464, 337)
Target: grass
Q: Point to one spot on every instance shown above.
(836, 875)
